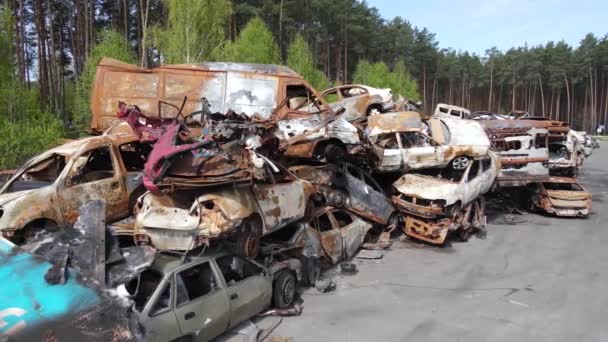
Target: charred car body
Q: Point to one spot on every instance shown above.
(359, 101)
(347, 186)
(561, 196)
(403, 141)
(273, 94)
(187, 219)
(443, 200)
(48, 191)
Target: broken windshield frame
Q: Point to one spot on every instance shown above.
(54, 159)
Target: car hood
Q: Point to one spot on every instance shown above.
(428, 187)
(568, 195)
(466, 133)
(5, 198)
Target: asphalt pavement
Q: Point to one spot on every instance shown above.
(543, 279)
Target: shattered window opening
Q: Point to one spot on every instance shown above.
(93, 166)
(236, 269)
(302, 99)
(486, 163)
(322, 223)
(134, 155)
(563, 186)
(39, 175)
(143, 287)
(163, 304)
(194, 283)
(474, 171)
(332, 96)
(343, 218)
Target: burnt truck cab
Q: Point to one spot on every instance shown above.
(403, 141)
(305, 124)
(562, 196)
(523, 148)
(436, 201)
(197, 298)
(48, 191)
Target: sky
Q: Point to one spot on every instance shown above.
(476, 25)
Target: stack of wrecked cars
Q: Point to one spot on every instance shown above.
(219, 188)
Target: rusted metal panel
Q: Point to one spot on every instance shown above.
(249, 88)
(394, 122)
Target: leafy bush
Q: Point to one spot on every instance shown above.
(27, 137)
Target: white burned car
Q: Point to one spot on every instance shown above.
(403, 141)
(440, 200)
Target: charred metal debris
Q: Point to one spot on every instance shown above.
(215, 173)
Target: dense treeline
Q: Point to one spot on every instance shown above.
(50, 48)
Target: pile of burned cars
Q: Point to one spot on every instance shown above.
(220, 187)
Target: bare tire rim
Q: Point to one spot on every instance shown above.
(251, 245)
(460, 163)
(289, 290)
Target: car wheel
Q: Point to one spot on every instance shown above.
(248, 244)
(334, 153)
(460, 163)
(284, 289)
(336, 198)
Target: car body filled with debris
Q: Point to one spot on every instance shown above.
(47, 192)
(403, 141)
(183, 220)
(359, 100)
(437, 201)
(561, 196)
(347, 186)
(270, 94)
(197, 298)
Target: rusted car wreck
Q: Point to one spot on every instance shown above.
(437, 201)
(403, 141)
(47, 192)
(561, 196)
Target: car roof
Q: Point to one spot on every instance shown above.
(264, 69)
(167, 263)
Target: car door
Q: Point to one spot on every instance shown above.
(366, 197)
(355, 101)
(352, 231)
(421, 150)
(94, 174)
(472, 181)
(202, 307)
(158, 317)
(248, 287)
(280, 197)
(488, 174)
(331, 239)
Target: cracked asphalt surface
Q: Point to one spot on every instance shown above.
(540, 280)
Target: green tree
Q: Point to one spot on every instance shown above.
(194, 30)
(112, 44)
(402, 83)
(25, 129)
(255, 44)
(300, 59)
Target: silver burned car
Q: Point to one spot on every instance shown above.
(199, 298)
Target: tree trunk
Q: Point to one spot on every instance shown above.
(491, 84)
(542, 95)
(567, 96)
(144, 6)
